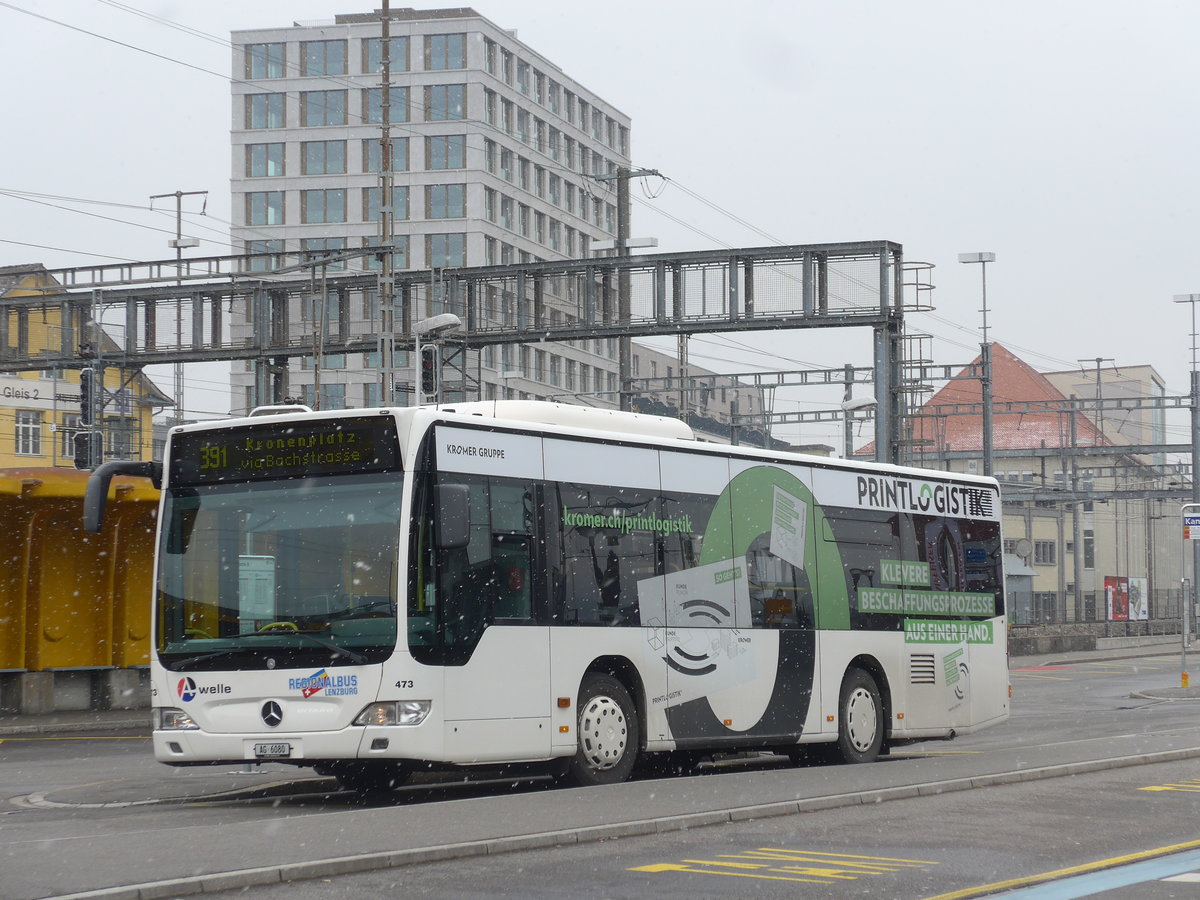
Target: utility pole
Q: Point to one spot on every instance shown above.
(624, 343)
(1195, 504)
(387, 229)
(985, 358)
(1099, 360)
(179, 243)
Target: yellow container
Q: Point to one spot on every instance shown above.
(70, 599)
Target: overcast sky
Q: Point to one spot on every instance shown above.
(1062, 136)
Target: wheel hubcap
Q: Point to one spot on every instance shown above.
(602, 732)
(861, 719)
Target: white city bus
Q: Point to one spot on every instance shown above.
(369, 592)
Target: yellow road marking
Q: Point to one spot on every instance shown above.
(1112, 862)
(808, 866)
(1192, 785)
(669, 867)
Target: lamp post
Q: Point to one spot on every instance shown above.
(985, 358)
(849, 405)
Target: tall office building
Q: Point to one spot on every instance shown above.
(498, 157)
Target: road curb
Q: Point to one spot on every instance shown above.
(387, 859)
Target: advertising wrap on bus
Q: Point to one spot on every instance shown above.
(510, 591)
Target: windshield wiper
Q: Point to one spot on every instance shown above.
(352, 655)
(330, 645)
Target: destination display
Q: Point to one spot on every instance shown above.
(285, 450)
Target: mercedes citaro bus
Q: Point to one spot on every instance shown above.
(371, 592)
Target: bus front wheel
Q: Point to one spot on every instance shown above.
(607, 733)
(860, 719)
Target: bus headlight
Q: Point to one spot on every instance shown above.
(168, 718)
(398, 712)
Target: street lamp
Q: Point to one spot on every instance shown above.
(985, 358)
(983, 259)
(849, 405)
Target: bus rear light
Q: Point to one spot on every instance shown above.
(168, 718)
(399, 712)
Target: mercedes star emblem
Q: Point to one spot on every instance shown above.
(272, 713)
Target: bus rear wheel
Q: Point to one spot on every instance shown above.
(860, 719)
(607, 733)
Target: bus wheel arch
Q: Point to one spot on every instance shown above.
(864, 712)
(608, 723)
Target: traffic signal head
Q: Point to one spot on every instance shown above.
(429, 370)
(87, 395)
(83, 450)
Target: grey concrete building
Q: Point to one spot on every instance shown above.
(499, 157)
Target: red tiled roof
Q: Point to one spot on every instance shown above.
(937, 427)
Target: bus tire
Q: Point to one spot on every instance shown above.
(371, 777)
(607, 733)
(860, 719)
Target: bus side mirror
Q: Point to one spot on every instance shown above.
(452, 516)
(95, 498)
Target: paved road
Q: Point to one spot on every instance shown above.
(97, 812)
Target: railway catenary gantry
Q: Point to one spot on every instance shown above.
(227, 311)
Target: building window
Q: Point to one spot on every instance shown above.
(506, 212)
(320, 206)
(66, 433)
(371, 203)
(1089, 549)
(319, 108)
(264, 111)
(28, 435)
(373, 54)
(444, 102)
(446, 51)
(264, 160)
(373, 154)
(265, 60)
(443, 250)
(323, 157)
(316, 247)
(1045, 553)
(523, 77)
(263, 263)
(264, 208)
(323, 58)
(446, 151)
(1045, 607)
(120, 437)
(333, 396)
(373, 105)
(446, 201)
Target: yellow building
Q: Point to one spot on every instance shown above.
(40, 411)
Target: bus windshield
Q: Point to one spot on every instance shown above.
(290, 572)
